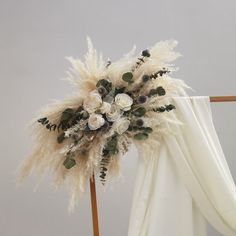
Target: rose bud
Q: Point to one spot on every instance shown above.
(142, 99)
(139, 122)
(145, 78)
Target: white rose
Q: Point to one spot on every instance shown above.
(114, 113)
(105, 108)
(95, 121)
(124, 101)
(92, 102)
(121, 125)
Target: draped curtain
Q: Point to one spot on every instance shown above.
(186, 182)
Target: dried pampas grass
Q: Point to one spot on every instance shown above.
(47, 154)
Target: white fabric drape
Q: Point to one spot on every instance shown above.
(186, 180)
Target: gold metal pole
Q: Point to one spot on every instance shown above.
(223, 98)
(94, 206)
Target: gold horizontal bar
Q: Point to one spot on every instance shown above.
(222, 98)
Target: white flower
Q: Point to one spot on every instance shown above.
(114, 113)
(124, 101)
(92, 102)
(105, 108)
(67, 133)
(95, 121)
(121, 125)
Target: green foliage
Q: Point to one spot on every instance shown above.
(158, 91)
(70, 116)
(127, 77)
(134, 128)
(147, 129)
(141, 136)
(67, 114)
(109, 150)
(119, 90)
(152, 92)
(167, 108)
(61, 137)
(111, 146)
(104, 83)
(45, 121)
(69, 162)
(139, 112)
(146, 53)
(103, 168)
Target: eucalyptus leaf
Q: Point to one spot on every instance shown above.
(43, 120)
(127, 77)
(141, 136)
(69, 111)
(148, 130)
(114, 151)
(67, 114)
(160, 109)
(69, 163)
(105, 152)
(152, 92)
(139, 111)
(111, 145)
(119, 90)
(160, 91)
(170, 107)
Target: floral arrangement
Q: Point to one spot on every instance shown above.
(115, 105)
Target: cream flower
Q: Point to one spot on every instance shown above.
(121, 125)
(95, 121)
(114, 113)
(124, 101)
(92, 102)
(105, 108)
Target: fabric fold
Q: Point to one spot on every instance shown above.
(186, 180)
